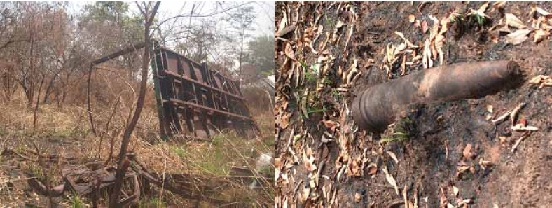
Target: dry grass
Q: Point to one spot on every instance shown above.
(66, 131)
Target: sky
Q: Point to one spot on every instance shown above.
(263, 25)
(264, 12)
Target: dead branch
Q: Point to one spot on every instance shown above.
(120, 174)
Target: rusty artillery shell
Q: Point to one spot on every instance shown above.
(377, 107)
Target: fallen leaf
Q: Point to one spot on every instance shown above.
(283, 23)
(391, 180)
(520, 127)
(355, 168)
(502, 117)
(467, 153)
(543, 12)
(411, 18)
(357, 197)
(408, 43)
(435, 30)
(518, 36)
(480, 12)
(464, 202)
(485, 163)
(490, 108)
(332, 125)
(289, 51)
(499, 4)
(502, 31)
(462, 167)
(455, 190)
(390, 53)
(426, 55)
(306, 192)
(541, 80)
(513, 115)
(540, 35)
(490, 112)
(439, 42)
(407, 204)
(512, 21)
(393, 156)
(482, 9)
(523, 137)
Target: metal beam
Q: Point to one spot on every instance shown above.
(119, 53)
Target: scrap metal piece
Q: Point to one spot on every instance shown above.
(376, 107)
(195, 101)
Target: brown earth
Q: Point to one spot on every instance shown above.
(430, 160)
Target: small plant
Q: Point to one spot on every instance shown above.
(76, 202)
(36, 171)
(400, 131)
(395, 137)
(179, 151)
(153, 202)
(480, 19)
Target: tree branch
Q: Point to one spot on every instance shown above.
(205, 15)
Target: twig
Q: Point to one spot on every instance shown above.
(204, 15)
(523, 137)
(107, 126)
(89, 105)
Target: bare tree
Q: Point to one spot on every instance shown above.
(148, 11)
(240, 20)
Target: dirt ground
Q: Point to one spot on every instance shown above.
(453, 155)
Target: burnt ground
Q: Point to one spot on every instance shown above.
(322, 160)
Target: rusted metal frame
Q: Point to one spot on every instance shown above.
(193, 64)
(171, 115)
(210, 98)
(200, 114)
(169, 73)
(209, 109)
(158, 60)
(207, 119)
(220, 95)
(174, 111)
(171, 110)
(196, 117)
(186, 113)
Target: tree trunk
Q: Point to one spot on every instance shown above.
(120, 174)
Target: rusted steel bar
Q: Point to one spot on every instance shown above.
(376, 107)
(209, 109)
(119, 53)
(170, 73)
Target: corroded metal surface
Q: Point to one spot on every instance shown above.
(192, 100)
(376, 107)
(195, 101)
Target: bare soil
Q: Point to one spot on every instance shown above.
(431, 158)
